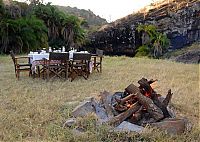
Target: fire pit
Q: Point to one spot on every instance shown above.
(134, 109)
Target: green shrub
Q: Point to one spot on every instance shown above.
(157, 45)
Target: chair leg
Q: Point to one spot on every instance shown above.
(30, 73)
(18, 74)
(100, 68)
(38, 70)
(43, 73)
(47, 74)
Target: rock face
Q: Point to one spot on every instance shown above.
(189, 57)
(179, 20)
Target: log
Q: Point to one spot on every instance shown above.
(136, 116)
(122, 101)
(120, 107)
(152, 81)
(168, 98)
(145, 84)
(159, 104)
(154, 111)
(106, 101)
(115, 121)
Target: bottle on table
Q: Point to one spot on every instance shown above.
(50, 50)
(63, 49)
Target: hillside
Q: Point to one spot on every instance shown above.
(88, 15)
(178, 19)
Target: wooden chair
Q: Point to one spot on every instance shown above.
(21, 64)
(57, 64)
(97, 60)
(80, 65)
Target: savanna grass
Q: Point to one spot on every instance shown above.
(35, 110)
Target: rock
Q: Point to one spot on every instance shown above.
(189, 57)
(172, 126)
(101, 113)
(69, 122)
(181, 24)
(84, 108)
(128, 127)
(90, 106)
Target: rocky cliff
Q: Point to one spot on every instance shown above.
(179, 19)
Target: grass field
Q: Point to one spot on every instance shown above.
(35, 110)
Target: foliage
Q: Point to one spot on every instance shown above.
(22, 35)
(62, 28)
(157, 44)
(26, 27)
(142, 51)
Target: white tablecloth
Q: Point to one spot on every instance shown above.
(36, 56)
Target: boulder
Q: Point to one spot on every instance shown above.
(128, 127)
(84, 108)
(172, 126)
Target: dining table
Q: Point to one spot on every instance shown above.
(37, 59)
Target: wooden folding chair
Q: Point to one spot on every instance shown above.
(97, 60)
(57, 64)
(21, 65)
(80, 65)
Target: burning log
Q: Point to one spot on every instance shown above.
(145, 84)
(154, 111)
(115, 121)
(127, 98)
(136, 116)
(168, 98)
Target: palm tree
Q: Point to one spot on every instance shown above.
(61, 27)
(158, 42)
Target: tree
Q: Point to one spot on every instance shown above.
(158, 42)
(63, 29)
(20, 34)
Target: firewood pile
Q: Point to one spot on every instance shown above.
(133, 109)
(141, 105)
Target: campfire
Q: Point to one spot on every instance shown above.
(133, 109)
(141, 105)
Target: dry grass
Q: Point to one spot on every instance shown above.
(34, 110)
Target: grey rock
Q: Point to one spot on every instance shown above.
(173, 126)
(128, 127)
(84, 108)
(69, 122)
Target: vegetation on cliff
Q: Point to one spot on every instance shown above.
(156, 44)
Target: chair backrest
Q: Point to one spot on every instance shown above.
(81, 56)
(99, 52)
(59, 56)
